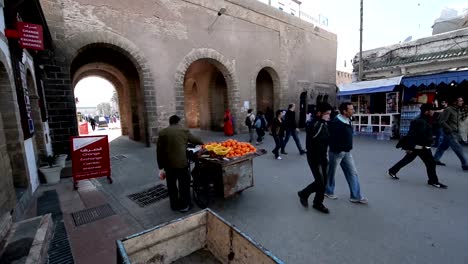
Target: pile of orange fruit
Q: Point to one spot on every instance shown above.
(237, 149)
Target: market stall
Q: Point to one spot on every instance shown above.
(376, 104)
(431, 88)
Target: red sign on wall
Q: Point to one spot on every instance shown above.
(31, 36)
(90, 158)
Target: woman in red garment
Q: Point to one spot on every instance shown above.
(228, 129)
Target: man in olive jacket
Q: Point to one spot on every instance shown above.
(450, 122)
(172, 161)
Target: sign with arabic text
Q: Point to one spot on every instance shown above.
(90, 157)
(31, 36)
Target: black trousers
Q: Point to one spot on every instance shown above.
(319, 168)
(426, 156)
(260, 134)
(178, 186)
(278, 145)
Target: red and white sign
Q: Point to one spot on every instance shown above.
(90, 158)
(31, 36)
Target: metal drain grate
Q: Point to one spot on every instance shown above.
(59, 249)
(118, 157)
(92, 214)
(150, 195)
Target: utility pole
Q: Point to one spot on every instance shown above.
(360, 42)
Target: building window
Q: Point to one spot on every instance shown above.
(280, 8)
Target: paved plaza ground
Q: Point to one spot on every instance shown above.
(406, 221)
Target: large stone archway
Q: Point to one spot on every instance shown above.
(225, 67)
(111, 63)
(60, 74)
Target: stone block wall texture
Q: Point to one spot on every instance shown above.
(163, 38)
(7, 190)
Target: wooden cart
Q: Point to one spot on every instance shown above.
(231, 176)
(203, 237)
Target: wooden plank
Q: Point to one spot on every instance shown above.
(172, 249)
(237, 177)
(169, 241)
(222, 238)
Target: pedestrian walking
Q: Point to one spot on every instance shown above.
(340, 146)
(260, 127)
(291, 130)
(269, 116)
(173, 163)
(249, 123)
(418, 143)
(277, 131)
(436, 124)
(464, 125)
(93, 123)
(228, 126)
(317, 146)
(450, 122)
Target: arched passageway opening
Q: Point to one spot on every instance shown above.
(114, 65)
(206, 95)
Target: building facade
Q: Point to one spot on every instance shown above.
(343, 77)
(24, 133)
(194, 58)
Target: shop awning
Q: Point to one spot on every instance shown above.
(436, 79)
(366, 87)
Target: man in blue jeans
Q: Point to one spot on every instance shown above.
(450, 122)
(341, 144)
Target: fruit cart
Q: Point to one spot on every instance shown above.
(230, 175)
(222, 170)
(203, 237)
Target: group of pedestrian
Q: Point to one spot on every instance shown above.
(329, 144)
(419, 140)
(281, 126)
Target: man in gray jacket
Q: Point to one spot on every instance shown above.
(450, 122)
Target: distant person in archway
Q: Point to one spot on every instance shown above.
(228, 127)
(269, 116)
(93, 123)
(291, 130)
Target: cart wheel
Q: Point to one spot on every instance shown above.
(75, 186)
(110, 180)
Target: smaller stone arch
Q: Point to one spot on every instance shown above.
(279, 83)
(12, 127)
(115, 77)
(226, 67)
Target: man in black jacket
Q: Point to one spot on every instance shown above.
(291, 130)
(341, 143)
(317, 147)
(418, 143)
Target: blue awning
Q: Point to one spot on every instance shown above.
(366, 87)
(436, 79)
